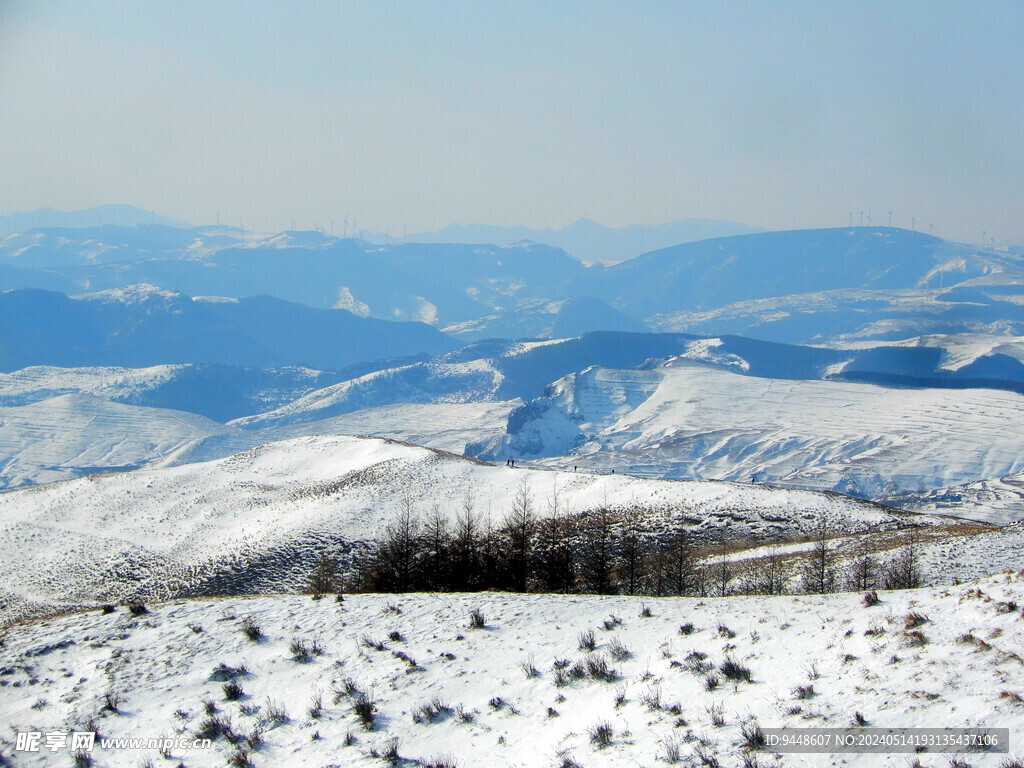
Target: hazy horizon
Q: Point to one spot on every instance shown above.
(420, 116)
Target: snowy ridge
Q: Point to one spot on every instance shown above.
(41, 382)
(133, 295)
(547, 319)
(496, 697)
(254, 520)
(958, 349)
(434, 382)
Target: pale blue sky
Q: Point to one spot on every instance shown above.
(780, 114)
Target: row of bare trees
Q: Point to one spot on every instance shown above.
(601, 552)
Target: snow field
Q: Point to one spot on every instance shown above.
(495, 696)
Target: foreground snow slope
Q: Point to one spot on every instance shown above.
(256, 520)
(689, 420)
(443, 689)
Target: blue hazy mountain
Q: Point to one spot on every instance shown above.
(145, 326)
(588, 240)
(101, 215)
(724, 271)
(440, 284)
(806, 286)
(108, 243)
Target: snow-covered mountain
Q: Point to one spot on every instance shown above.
(75, 434)
(716, 273)
(437, 284)
(689, 420)
(255, 521)
(430, 382)
(1001, 497)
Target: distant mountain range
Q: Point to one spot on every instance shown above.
(832, 286)
(101, 215)
(588, 240)
(584, 239)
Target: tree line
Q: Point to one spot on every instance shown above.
(601, 551)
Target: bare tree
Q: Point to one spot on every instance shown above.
(721, 572)
(465, 570)
(680, 562)
(324, 578)
(769, 574)
(657, 568)
(555, 562)
(490, 559)
(520, 528)
(436, 550)
(904, 571)
(863, 573)
(395, 560)
(631, 553)
(819, 574)
(597, 559)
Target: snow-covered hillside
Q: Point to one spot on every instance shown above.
(1002, 497)
(958, 350)
(432, 382)
(255, 520)
(407, 399)
(846, 316)
(669, 680)
(688, 420)
(545, 319)
(41, 382)
(75, 434)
